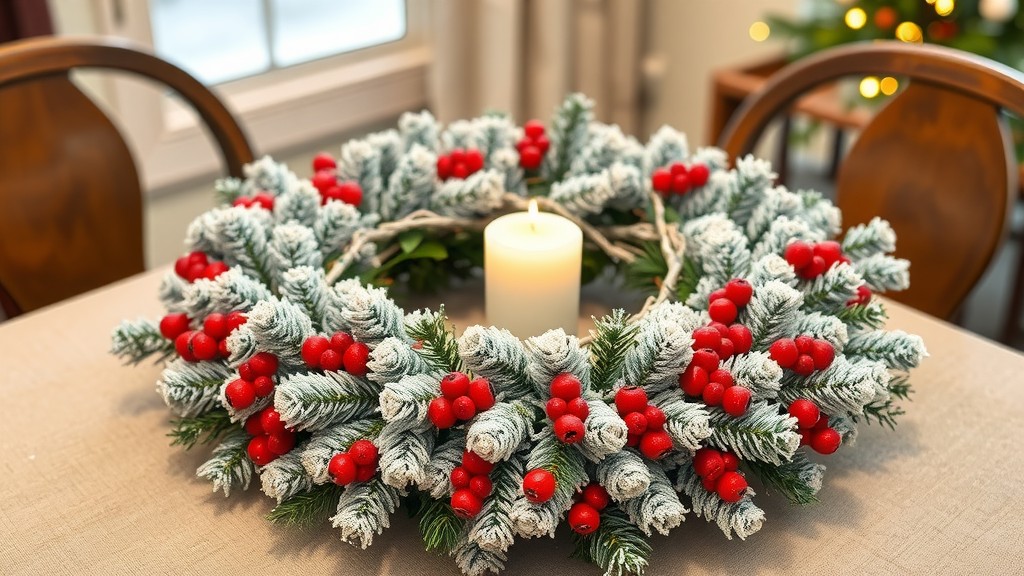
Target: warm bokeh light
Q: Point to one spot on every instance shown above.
(869, 87)
(888, 85)
(759, 31)
(856, 18)
(909, 32)
(944, 7)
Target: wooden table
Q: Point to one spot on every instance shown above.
(90, 485)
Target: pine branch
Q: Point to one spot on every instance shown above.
(896, 349)
(872, 315)
(229, 467)
(612, 339)
(617, 546)
(499, 356)
(313, 401)
(742, 518)
(191, 389)
(440, 348)
(307, 508)
(624, 475)
(830, 292)
(661, 353)
(688, 423)
(568, 133)
(496, 433)
(324, 444)
(566, 464)
(492, 528)
(658, 508)
(440, 527)
(760, 434)
(286, 476)
(135, 341)
(798, 479)
(364, 511)
(205, 429)
(771, 312)
(886, 412)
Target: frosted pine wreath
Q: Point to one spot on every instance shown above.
(760, 345)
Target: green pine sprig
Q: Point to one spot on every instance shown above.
(135, 341)
(617, 546)
(785, 478)
(859, 316)
(613, 338)
(204, 429)
(440, 347)
(307, 508)
(650, 268)
(885, 413)
(440, 527)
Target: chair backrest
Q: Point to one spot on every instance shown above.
(70, 197)
(936, 161)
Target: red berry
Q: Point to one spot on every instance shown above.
(731, 486)
(474, 160)
(713, 394)
(355, 359)
(823, 353)
(633, 440)
(710, 483)
(460, 477)
(716, 295)
(726, 349)
(739, 291)
(263, 364)
(476, 465)
(636, 422)
(723, 310)
(799, 254)
(736, 400)
(730, 461)
(533, 129)
(460, 171)
(465, 504)
(214, 269)
(677, 168)
(440, 413)
(312, 348)
(340, 341)
(203, 347)
(655, 445)
(784, 352)
(705, 358)
(543, 143)
(363, 452)
(805, 412)
(270, 421)
(364, 473)
(235, 319)
(173, 325)
(481, 486)
(804, 365)
(723, 330)
(742, 339)
(263, 386)
(708, 463)
(863, 295)
(246, 372)
(281, 444)
(804, 344)
(816, 268)
(264, 200)
(350, 193)
(181, 266)
(482, 393)
(693, 380)
(458, 156)
(566, 386)
(342, 469)
(538, 485)
(444, 167)
(825, 440)
(463, 408)
(655, 418)
(584, 518)
(222, 348)
(454, 384)
(723, 377)
(661, 180)
(330, 360)
(323, 161)
(324, 180)
(253, 427)
(569, 429)
(579, 408)
(805, 436)
(240, 395)
(556, 407)
(595, 495)
(630, 399)
(822, 423)
(829, 250)
(681, 184)
(332, 193)
(195, 272)
(699, 174)
(198, 257)
(530, 157)
(706, 337)
(259, 452)
(216, 326)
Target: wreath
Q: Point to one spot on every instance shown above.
(760, 345)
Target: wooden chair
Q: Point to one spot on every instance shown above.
(70, 197)
(936, 161)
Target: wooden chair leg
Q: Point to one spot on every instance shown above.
(838, 143)
(1011, 326)
(782, 155)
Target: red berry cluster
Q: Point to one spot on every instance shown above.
(813, 427)
(724, 304)
(645, 422)
(533, 146)
(357, 464)
(679, 179)
(325, 180)
(254, 381)
(567, 408)
(539, 485)
(472, 485)
(341, 351)
(459, 163)
(863, 297)
(460, 400)
(719, 473)
(812, 259)
(585, 514)
(196, 265)
(270, 438)
(208, 343)
(803, 354)
(263, 200)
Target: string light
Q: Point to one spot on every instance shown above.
(759, 31)
(856, 18)
(888, 85)
(944, 7)
(869, 87)
(909, 32)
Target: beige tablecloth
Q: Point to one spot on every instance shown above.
(90, 485)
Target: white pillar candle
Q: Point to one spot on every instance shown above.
(532, 272)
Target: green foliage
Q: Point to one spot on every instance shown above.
(440, 348)
(613, 338)
(885, 413)
(135, 341)
(786, 478)
(617, 546)
(440, 527)
(649, 269)
(568, 132)
(872, 315)
(564, 462)
(204, 429)
(307, 508)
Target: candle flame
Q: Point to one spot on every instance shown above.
(532, 209)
